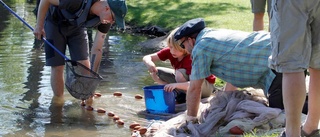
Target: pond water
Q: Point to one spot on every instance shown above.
(26, 95)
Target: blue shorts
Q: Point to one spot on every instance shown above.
(60, 37)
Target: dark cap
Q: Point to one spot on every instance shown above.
(190, 27)
(119, 9)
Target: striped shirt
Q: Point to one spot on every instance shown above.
(239, 58)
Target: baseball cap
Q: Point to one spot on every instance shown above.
(119, 9)
(190, 27)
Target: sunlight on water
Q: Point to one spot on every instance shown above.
(26, 106)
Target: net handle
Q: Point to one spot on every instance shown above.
(24, 22)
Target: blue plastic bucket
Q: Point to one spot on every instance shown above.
(158, 101)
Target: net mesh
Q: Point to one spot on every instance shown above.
(81, 82)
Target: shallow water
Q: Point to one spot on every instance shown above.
(26, 95)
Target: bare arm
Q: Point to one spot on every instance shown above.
(193, 97)
(149, 60)
(42, 11)
(96, 50)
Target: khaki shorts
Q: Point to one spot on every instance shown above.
(168, 75)
(295, 35)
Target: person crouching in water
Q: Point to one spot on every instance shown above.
(175, 79)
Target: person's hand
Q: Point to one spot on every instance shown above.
(152, 68)
(170, 87)
(192, 119)
(183, 126)
(39, 32)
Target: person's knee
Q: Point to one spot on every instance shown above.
(57, 69)
(154, 76)
(258, 16)
(315, 72)
(85, 62)
(181, 76)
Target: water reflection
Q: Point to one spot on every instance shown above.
(34, 78)
(26, 103)
(14, 47)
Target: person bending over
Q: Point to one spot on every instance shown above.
(175, 78)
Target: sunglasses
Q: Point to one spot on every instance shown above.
(182, 45)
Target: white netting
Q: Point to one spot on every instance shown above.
(224, 111)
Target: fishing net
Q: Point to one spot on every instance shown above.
(247, 110)
(81, 82)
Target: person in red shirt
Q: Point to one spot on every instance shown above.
(175, 78)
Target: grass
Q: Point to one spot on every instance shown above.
(168, 14)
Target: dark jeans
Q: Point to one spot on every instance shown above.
(275, 93)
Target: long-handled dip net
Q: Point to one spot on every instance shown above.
(81, 82)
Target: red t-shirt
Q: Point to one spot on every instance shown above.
(185, 63)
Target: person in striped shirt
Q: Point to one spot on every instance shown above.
(239, 58)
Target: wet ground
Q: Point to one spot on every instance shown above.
(26, 95)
